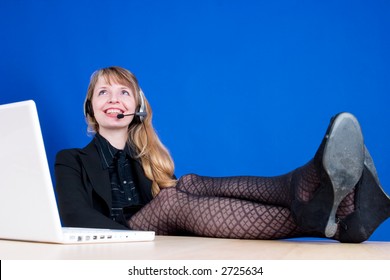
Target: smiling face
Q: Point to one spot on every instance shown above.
(109, 99)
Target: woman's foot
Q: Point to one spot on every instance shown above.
(339, 161)
(372, 206)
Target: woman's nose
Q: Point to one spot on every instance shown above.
(113, 98)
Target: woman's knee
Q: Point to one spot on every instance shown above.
(187, 180)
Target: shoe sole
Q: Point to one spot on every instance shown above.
(343, 160)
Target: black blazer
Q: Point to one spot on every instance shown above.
(83, 188)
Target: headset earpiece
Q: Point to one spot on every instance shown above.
(88, 108)
(142, 107)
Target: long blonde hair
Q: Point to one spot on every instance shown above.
(154, 156)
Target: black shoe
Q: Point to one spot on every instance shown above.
(372, 207)
(340, 161)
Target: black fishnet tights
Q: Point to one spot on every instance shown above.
(233, 207)
(174, 212)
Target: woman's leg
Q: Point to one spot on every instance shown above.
(313, 192)
(229, 207)
(266, 190)
(174, 212)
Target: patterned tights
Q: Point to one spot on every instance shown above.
(245, 207)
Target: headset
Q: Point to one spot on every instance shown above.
(140, 114)
(142, 108)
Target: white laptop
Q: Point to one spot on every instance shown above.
(28, 208)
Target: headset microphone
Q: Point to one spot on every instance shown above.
(139, 114)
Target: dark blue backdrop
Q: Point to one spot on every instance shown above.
(237, 87)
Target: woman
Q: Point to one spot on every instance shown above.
(125, 179)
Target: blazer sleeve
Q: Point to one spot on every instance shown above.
(76, 204)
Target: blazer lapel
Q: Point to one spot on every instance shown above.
(97, 175)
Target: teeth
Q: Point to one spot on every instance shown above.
(113, 111)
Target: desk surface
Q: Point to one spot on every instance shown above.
(189, 248)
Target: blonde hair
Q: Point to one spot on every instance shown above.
(142, 137)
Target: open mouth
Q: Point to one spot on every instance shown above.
(114, 111)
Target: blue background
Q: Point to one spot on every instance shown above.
(237, 87)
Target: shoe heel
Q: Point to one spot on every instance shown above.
(343, 161)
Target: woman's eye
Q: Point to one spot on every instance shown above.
(125, 92)
(102, 92)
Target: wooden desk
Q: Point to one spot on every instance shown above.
(190, 248)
